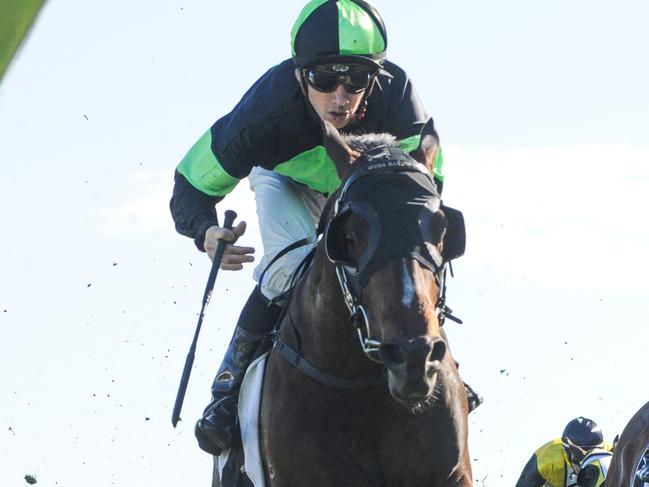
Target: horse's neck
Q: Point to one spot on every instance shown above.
(319, 317)
(318, 309)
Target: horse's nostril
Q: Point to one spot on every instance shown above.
(432, 368)
(391, 354)
(438, 352)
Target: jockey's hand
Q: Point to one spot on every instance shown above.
(234, 256)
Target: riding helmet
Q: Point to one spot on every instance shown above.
(339, 31)
(583, 432)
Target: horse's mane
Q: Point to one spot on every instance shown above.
(364, 142)
(360, 143)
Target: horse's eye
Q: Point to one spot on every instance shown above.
(346, 238)
(349, 241)
(355, 236)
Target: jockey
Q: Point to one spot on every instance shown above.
(273, 136)
(558, 462)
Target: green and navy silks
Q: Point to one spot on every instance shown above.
(274, 127)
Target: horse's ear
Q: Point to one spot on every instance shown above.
(428, 146)
(342, 155)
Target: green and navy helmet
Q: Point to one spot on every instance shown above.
(339, 31)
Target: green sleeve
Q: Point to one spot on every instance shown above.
(204, 171)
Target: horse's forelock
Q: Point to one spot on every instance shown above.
(364, 142)
(360, 143)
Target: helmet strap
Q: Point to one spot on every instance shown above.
(362, 108)
(305, 91)
(302, 83)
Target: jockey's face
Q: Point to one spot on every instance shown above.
(337, 107)
(336, 90)
(576, 455)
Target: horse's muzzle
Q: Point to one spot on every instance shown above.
(412, 367)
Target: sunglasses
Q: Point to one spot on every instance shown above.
(326, 81)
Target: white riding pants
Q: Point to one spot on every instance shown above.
(287, 212)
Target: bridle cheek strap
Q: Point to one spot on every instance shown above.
(361, 322)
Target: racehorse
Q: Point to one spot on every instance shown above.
(629, 451)
(360, 388)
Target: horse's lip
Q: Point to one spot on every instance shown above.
(412, 401)
(414, 405)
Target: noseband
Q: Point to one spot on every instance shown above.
(383, 246)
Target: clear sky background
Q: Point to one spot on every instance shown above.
(543, 110)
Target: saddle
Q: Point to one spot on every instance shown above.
(241, 465)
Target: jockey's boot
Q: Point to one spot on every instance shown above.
(216, 430)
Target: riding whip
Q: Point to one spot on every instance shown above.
(189, 361)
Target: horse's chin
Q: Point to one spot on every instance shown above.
(415, 399)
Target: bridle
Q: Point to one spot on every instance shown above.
(360, 320)
(351, 278)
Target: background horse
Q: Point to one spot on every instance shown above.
(629, 450)
(390, 410)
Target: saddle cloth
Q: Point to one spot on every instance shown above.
(249, 406)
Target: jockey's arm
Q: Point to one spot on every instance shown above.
(192, 210)
(530, 476)
(194, 214)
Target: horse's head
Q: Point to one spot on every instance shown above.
(389, 238)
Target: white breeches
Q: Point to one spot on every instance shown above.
(287, 212)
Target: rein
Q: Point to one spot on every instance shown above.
(296, 360)
(294, 357)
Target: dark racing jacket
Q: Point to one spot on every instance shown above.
(274, 126)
